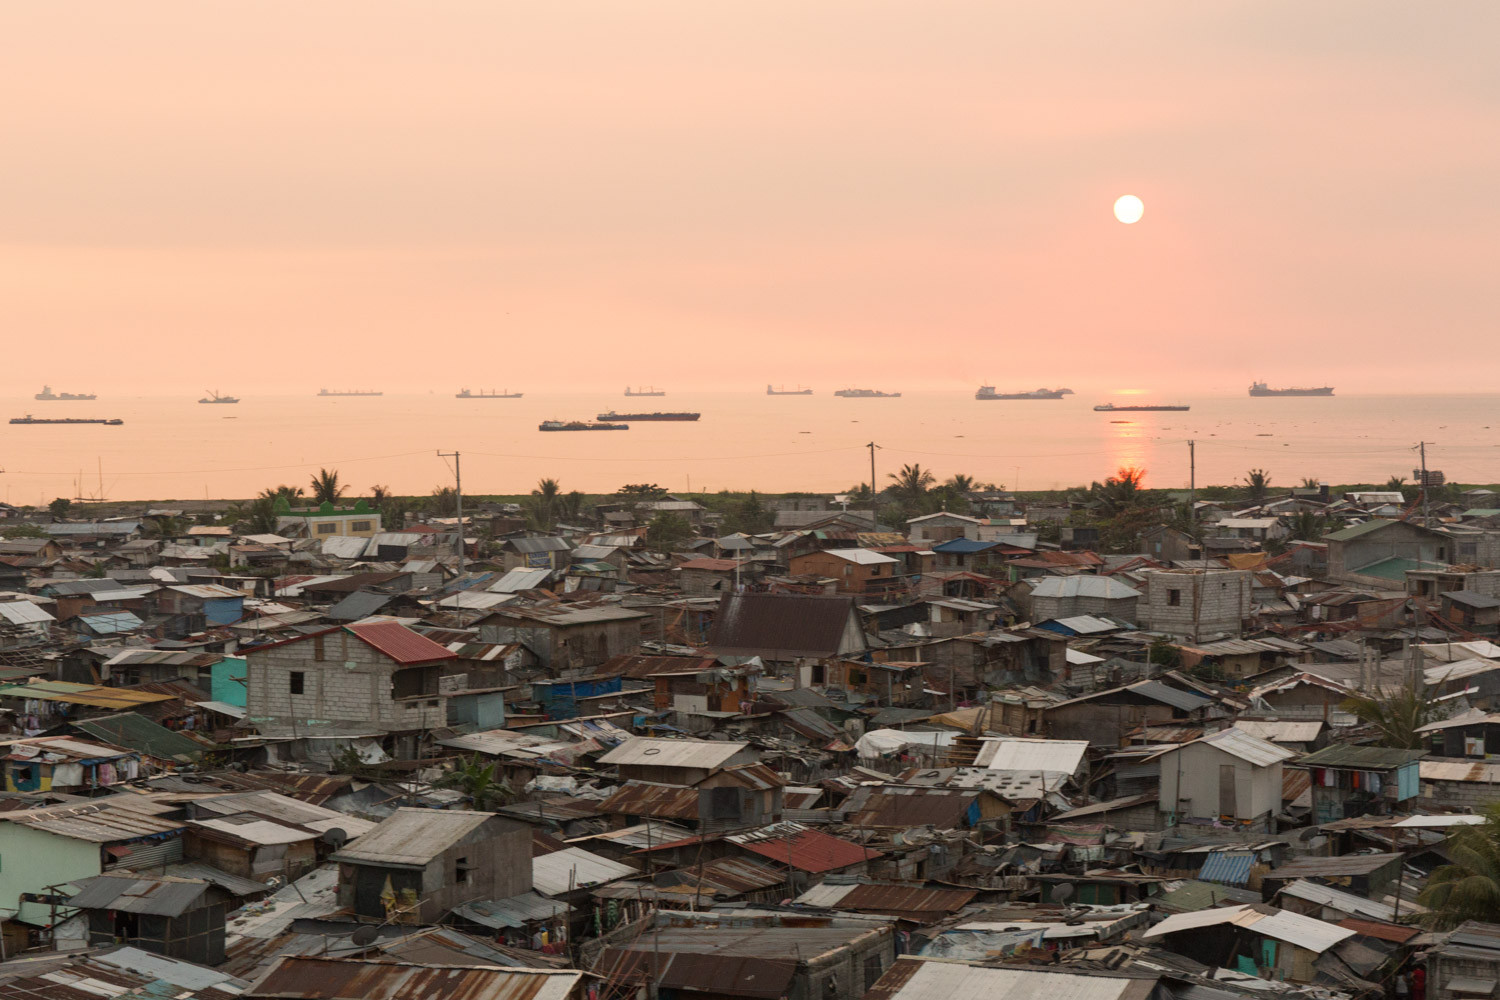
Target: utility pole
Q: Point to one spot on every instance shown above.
(1422, 447)
(458, 493)
(1192, 489)
(873, 505)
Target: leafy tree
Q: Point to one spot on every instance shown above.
(750, 516)
(164, 527)
(911, 484)
(1468, 887)
(326, 487)
(642, 491)
(60, 507)
(1309, 525)
(668, 529)
(289, 493)
(22, 531)
(1259, 482)
(1162, 652)
(477, 780)
(570, 506)
(1120, 491)
(945, 497)
(260, 515)
(95, 572)
(444, 501)
(1397, 717)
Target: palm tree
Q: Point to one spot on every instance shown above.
(1309, 525)
(477, 780)
(1397, 717)
(379, 494)
(961, 483)
(1468, 888)
(260, 515)
(326, 487)
(1259, 481)
(290, 493)
(164, 527)
(912, 483)
(1120, 491)
(544, 503)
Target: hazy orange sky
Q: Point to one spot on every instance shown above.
(281, 195)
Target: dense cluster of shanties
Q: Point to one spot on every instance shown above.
(827, 762)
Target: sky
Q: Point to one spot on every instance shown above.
(283, 195)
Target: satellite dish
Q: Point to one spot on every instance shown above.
(334, 837)
(1309, 833)
(1062, 892)
(365, 934)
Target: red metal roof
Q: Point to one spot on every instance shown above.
(1379, 929)
(804, 849)
(400, 643)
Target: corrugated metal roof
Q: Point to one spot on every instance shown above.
(137, 732)
(399, 642)
(24, 613)
(558, 873)
(915, 979)
(789, 624)
(705, 754)
(803, 848)
(1283, 925)
(1347, 864)
(1360, 758)
(521, 579)
(643, 798)
(1282, 730)
(298, 977)
(516, 911)
(1228, 867)
(129, 893)
(750, 976)
(1014, 753)
(1337, 899)
(892, 900)
(412, 837)
(102, 823)
(255, 831)
(1104, 587)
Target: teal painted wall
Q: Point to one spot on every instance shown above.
(227, 682)
(31, 860)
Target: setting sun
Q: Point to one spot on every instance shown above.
(1129, 209)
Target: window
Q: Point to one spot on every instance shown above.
(327, 528)
(360, 526)
(298, 679)
(318, 648)
(461, 870)
(1174, 598)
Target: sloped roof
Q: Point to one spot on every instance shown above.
(803, 848)
(1238, 743)
(1103, 587)
(707, 754)
(136, 732)
(790, 624)
(412, 837)
(1014, 753)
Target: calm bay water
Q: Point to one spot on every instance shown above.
(176, 448)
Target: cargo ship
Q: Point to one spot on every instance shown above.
(784, 391)
(649, 390)
(988, 392)
(49, 395)
(579, 425)
(866, 394)
(1134, 408)
(1261, 389)
(214, 397)
(349, 392)
(634, 417)
(490, 394)
(29, 419)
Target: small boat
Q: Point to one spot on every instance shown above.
(1131, 408)
(988, 392)
(649, 390)
(1261, 389)
(48, 395)
(487, 394)
(782, 390)
(349, 392)
(580, 425)
(214, 397)
(866, 394)
(29, 419)
(631, 418)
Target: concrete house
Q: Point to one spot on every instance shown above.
(1197, 603)
(1228, 776)
(420, 863)
(326, 520)
(1379, 552)
(382, 676)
